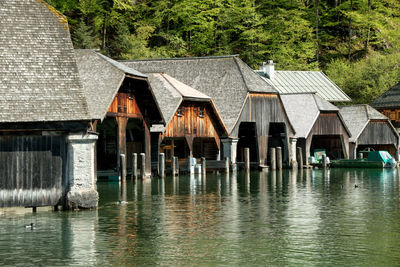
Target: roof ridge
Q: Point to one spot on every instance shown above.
(180, 58)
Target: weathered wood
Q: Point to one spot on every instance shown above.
(279, 158)
(324, 161)
(143, 165)
(203, 165)
(134, 166)
(121, 137)
(162, 165)
(300, 157)
(147, 146)
(123, 168)
(227, 161)
(247, 158)
(189, 164)
(176, 165)
(272, 153)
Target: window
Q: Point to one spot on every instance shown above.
(179, 112)
(201, 112)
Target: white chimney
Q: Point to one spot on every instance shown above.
(268, 68)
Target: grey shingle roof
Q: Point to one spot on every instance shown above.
(101, 78)
(227, 80)
(303, 111)
(39, 78)
(292, 82)
(389, 99)
(356, 118)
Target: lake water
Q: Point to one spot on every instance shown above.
(313, 217)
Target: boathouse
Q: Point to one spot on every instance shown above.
(250, 108)
(318, 125)
(389, 105)
(193, 125)
(122, 106)
(369, 129)
(46, 142)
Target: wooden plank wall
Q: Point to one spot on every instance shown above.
(377, 133)
(328, 124)
(31, 170)
(125, 104)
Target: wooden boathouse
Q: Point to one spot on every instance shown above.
(193, 125)
(389, 105)
(46, 143)
(122, 106)
(250, 108)
(369, 129)
(318, 125)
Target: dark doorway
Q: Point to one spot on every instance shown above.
(331, 143)
(107, 144)
(134, 139)
(276, 137)
(205, 147)
(247, 138)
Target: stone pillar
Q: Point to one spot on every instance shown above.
(292, 156)
(229, 149)
(81, 190)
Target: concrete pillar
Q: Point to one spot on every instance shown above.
(272, 156)
(81, 191)
(292, 155)
(279, 158)
(229, 150)
(247, 158)
(162, 165)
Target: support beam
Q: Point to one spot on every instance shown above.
(121, 138)
(147, 147)
(229, 149)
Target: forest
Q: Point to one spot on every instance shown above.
(355, 42)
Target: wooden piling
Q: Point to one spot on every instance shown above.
(203, 165)
(134, 166)
(143, 165)
(272, 155)
(173, 166)
(162, 165)
(189, 164)
(279, 158)
(324, 161)
(176, 165)
(122, 167)
(247, 158)
(300, 157)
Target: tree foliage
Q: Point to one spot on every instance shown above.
(341, 37)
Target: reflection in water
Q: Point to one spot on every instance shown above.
(299, 217)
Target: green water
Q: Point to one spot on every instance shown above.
(262, 219)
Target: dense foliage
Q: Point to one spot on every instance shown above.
(355, 41)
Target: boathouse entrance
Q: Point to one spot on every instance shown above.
(332, 144)
(247, 138)
(276, 138)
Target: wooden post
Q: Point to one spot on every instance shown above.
(272, 156)
(227, 164)
(147, 146)
(203, 165)
(123, 168)
(279, 158)
(173, 166)
(176, 165)
(247, 158)
(162, 165)
(122, 123)
(134, 166)
(143, 165)
(189, 164)
(324, 162)
(300, 157)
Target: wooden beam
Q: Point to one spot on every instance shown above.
(121, 137)
(147, 145)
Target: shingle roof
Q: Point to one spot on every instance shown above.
(356, 118)
(293, 82)
(303, 111)
(227, 80)
(39, 78)
(389, 99)
(101, 78)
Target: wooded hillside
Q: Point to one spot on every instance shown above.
(356, 42)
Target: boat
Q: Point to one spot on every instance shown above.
(370, 159)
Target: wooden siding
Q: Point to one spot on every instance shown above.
(393, 115)
(328, 124)
(191, 124)
(32, 170)
(124, 104)
(378, 133)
